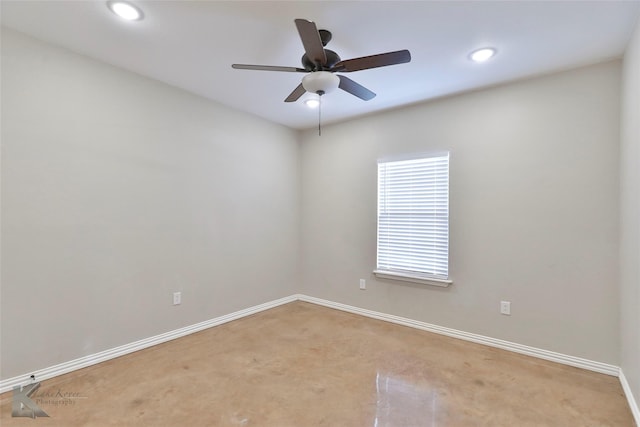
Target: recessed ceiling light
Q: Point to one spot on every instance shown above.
(125, 10)
(483, 54)
(312, 102)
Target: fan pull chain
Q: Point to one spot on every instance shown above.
(320, 93)
(320, 116)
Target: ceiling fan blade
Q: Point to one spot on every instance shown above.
(311, 41)
(296, 94)
(373, 61)
(268, 68)
(355, 89)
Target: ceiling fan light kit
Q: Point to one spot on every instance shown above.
(320, 81)
(321, 64)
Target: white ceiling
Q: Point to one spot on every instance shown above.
(192, 44)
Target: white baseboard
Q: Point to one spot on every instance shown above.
(633, 404)
(103, 356)
(578, 362)
(83, 362)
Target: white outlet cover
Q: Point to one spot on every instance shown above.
(505, 307)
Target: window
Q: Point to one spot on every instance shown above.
(413, 220)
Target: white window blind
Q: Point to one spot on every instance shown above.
(413, 217)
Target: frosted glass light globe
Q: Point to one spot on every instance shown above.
(320, 81)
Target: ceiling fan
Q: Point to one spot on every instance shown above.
(321, 64)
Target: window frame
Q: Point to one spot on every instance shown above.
(414, 275)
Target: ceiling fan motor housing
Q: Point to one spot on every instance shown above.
(332, 59)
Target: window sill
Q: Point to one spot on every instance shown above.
(408, 277)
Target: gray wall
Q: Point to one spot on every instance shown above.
(118, 190)
(630, 216)
(534, 211)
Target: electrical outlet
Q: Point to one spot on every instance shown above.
(363, 284)
(177, 298)
(505, 307)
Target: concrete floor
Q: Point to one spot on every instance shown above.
(306, 365)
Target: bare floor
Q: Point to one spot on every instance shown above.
(306, 365)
